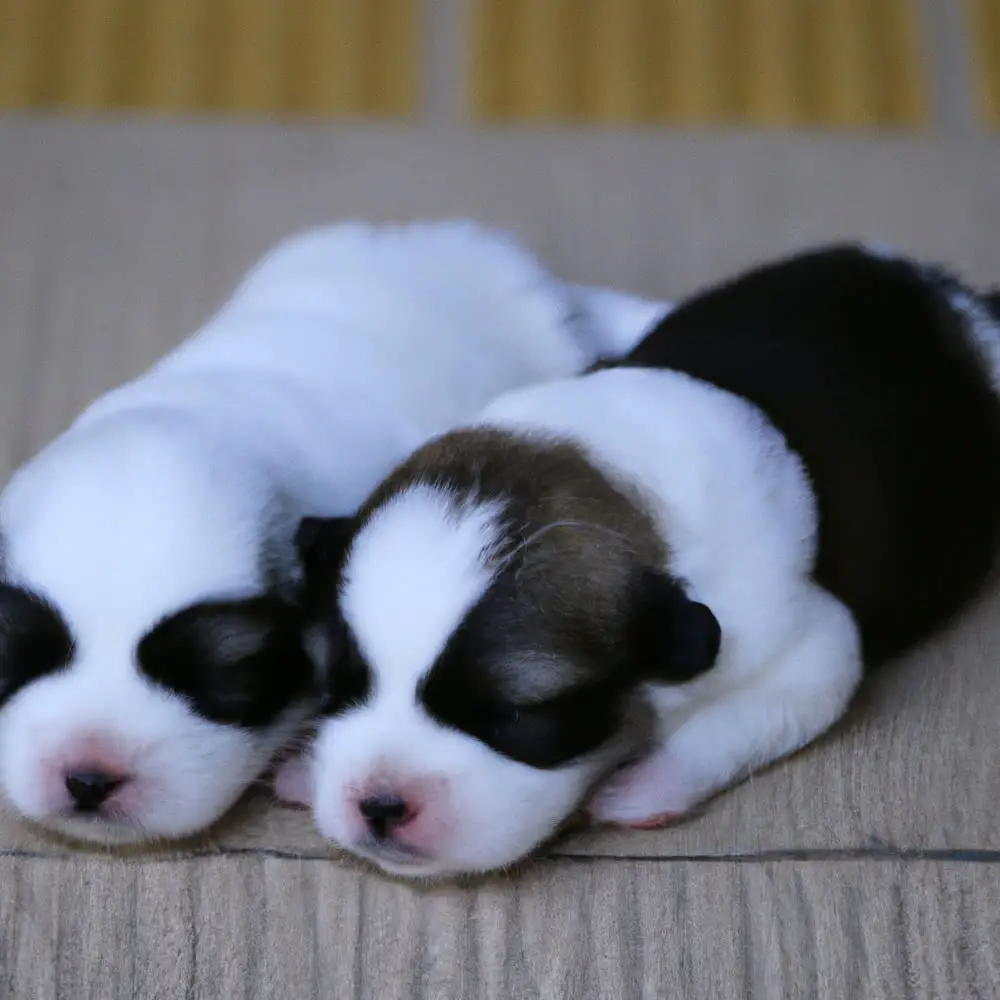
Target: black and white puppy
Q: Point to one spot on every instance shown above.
(626, 590)
(150, 651)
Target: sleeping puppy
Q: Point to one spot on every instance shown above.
(150, 652)
(624, 591)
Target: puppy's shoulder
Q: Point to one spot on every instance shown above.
(656, 411)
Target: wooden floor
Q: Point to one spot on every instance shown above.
(759, 63)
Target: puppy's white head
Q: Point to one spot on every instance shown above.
(487, 623)
(147, 670)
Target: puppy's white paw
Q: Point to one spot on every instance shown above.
(651, 793)
(293, 780)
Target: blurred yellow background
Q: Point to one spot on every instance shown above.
(769, 63)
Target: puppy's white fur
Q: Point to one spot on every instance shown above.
(736, 510)
(343, 350)
(738, 514)
(414, 572)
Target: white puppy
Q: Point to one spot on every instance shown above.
(679, 564)
(150, 655)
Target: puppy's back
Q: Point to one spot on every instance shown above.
(881, 376)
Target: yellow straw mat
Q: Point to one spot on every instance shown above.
(299, 57)
(694, 62)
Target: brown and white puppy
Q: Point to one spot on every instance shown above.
(681, 574)
(503, 605)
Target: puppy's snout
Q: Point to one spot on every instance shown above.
(89, 789)
(385, 813)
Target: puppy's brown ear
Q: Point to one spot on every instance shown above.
(671, 639)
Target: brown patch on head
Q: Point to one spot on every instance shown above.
(549, 664)
(573, 541)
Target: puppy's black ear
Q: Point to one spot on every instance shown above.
(322, 542)
(671, 639)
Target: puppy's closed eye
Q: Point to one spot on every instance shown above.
(237, 662)
(540, 736)
(545, 734)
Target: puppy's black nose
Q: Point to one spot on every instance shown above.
(383, 813)
(90, 788)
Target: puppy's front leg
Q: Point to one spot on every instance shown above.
(764, 716)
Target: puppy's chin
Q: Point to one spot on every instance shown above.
(483, 816)
(400, 861)
(135, 827)
(404, 864)
(138, 827)
(172, 773)
(463, 808)
(121, 827)
(97, 831)
(411, 865)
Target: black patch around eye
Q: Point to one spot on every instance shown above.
(461, 690)
(346, 676)
(239, 663)
(544, 735)
(556, 732)
(34, 640)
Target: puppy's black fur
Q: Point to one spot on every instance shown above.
(34, 640)
(666, 637)
(345, 679)
(239, 663)
(870, 372)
